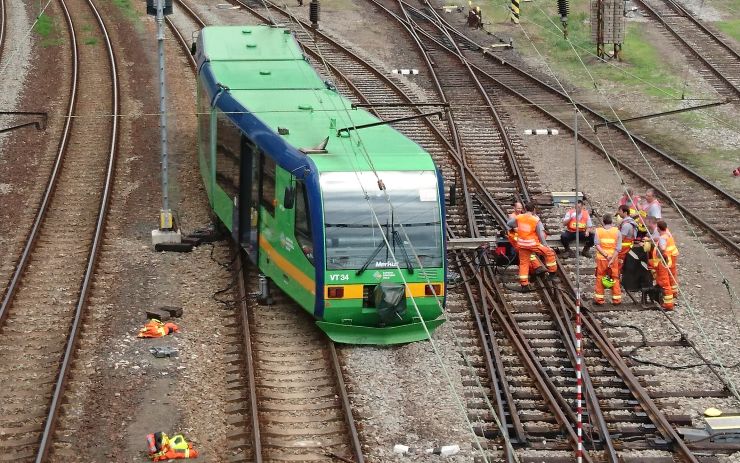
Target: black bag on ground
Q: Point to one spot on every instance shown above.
(636, 275)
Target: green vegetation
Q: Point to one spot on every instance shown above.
(44, 26)
(47, 28)
(127, 7)
(730, 27)
(90, 41)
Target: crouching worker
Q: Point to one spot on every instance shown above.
(577, 222)
(535, 266)
(530, 239)
(607, 241)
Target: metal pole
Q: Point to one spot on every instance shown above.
(579, 336)
(165, 220)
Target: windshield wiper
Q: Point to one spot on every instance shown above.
(370, 259)
(399, 242)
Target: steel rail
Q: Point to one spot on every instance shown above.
(686, 210)
(51, 183)
(694, 51)
(2, 27)
(585, 109)
(73, 339)
(503, 132)
(602, 342)
(249, 357)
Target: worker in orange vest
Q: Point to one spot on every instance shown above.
(628, 230)
(667, 245)
(607, 241)
(632, 201)
(530, 238)
(577, 221)
(660, 266)
(535, 266)
(156, 329)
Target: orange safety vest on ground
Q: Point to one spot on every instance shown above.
(607, 241)
(526, 229)
(579, 225)
(156, 329)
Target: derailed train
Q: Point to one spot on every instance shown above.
(348, 221)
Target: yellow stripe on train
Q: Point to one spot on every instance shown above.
(356, 291)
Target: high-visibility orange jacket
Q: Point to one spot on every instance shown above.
(670, 248)
(526, 228)
(607, 241)
(580, 223)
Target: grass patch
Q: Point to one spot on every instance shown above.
(47, 28)
(127, 7)
(44, 26)
(90, 41)
(730, 27)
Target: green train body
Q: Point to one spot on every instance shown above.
(304, 198)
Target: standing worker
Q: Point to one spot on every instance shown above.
(530, 238)
(607, 241)
(628, 230)
(660, 266)
(479, 13)
(652, 206)
(667, 245)
(632, 201)
(577, 220)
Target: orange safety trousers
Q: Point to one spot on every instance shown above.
(674, 275)
(525, 253)
(534, 261)
(601, 266)
(663, 279)
(622, 255)
(173, 454)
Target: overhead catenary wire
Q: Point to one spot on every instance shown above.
(691, 311)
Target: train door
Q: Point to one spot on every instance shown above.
(249, 193)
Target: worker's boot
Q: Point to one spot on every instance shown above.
(586, 252)
(540, 270)
(519, 288)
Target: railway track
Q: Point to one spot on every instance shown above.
(691, 191)
(721, 62)
(295, 402)
(2, 26)
(514, 334)
(43, 306)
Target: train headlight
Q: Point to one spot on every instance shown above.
(336, 292)
(431, 290)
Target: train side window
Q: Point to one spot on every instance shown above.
(303, 220)
(228, 152)
(268, 184)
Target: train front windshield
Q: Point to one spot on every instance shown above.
(360, 229)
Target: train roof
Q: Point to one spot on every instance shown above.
(267, 77)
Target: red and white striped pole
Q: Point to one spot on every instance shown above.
(579, 335)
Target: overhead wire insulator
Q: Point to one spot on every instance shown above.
(563, 10)
(313, 12)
